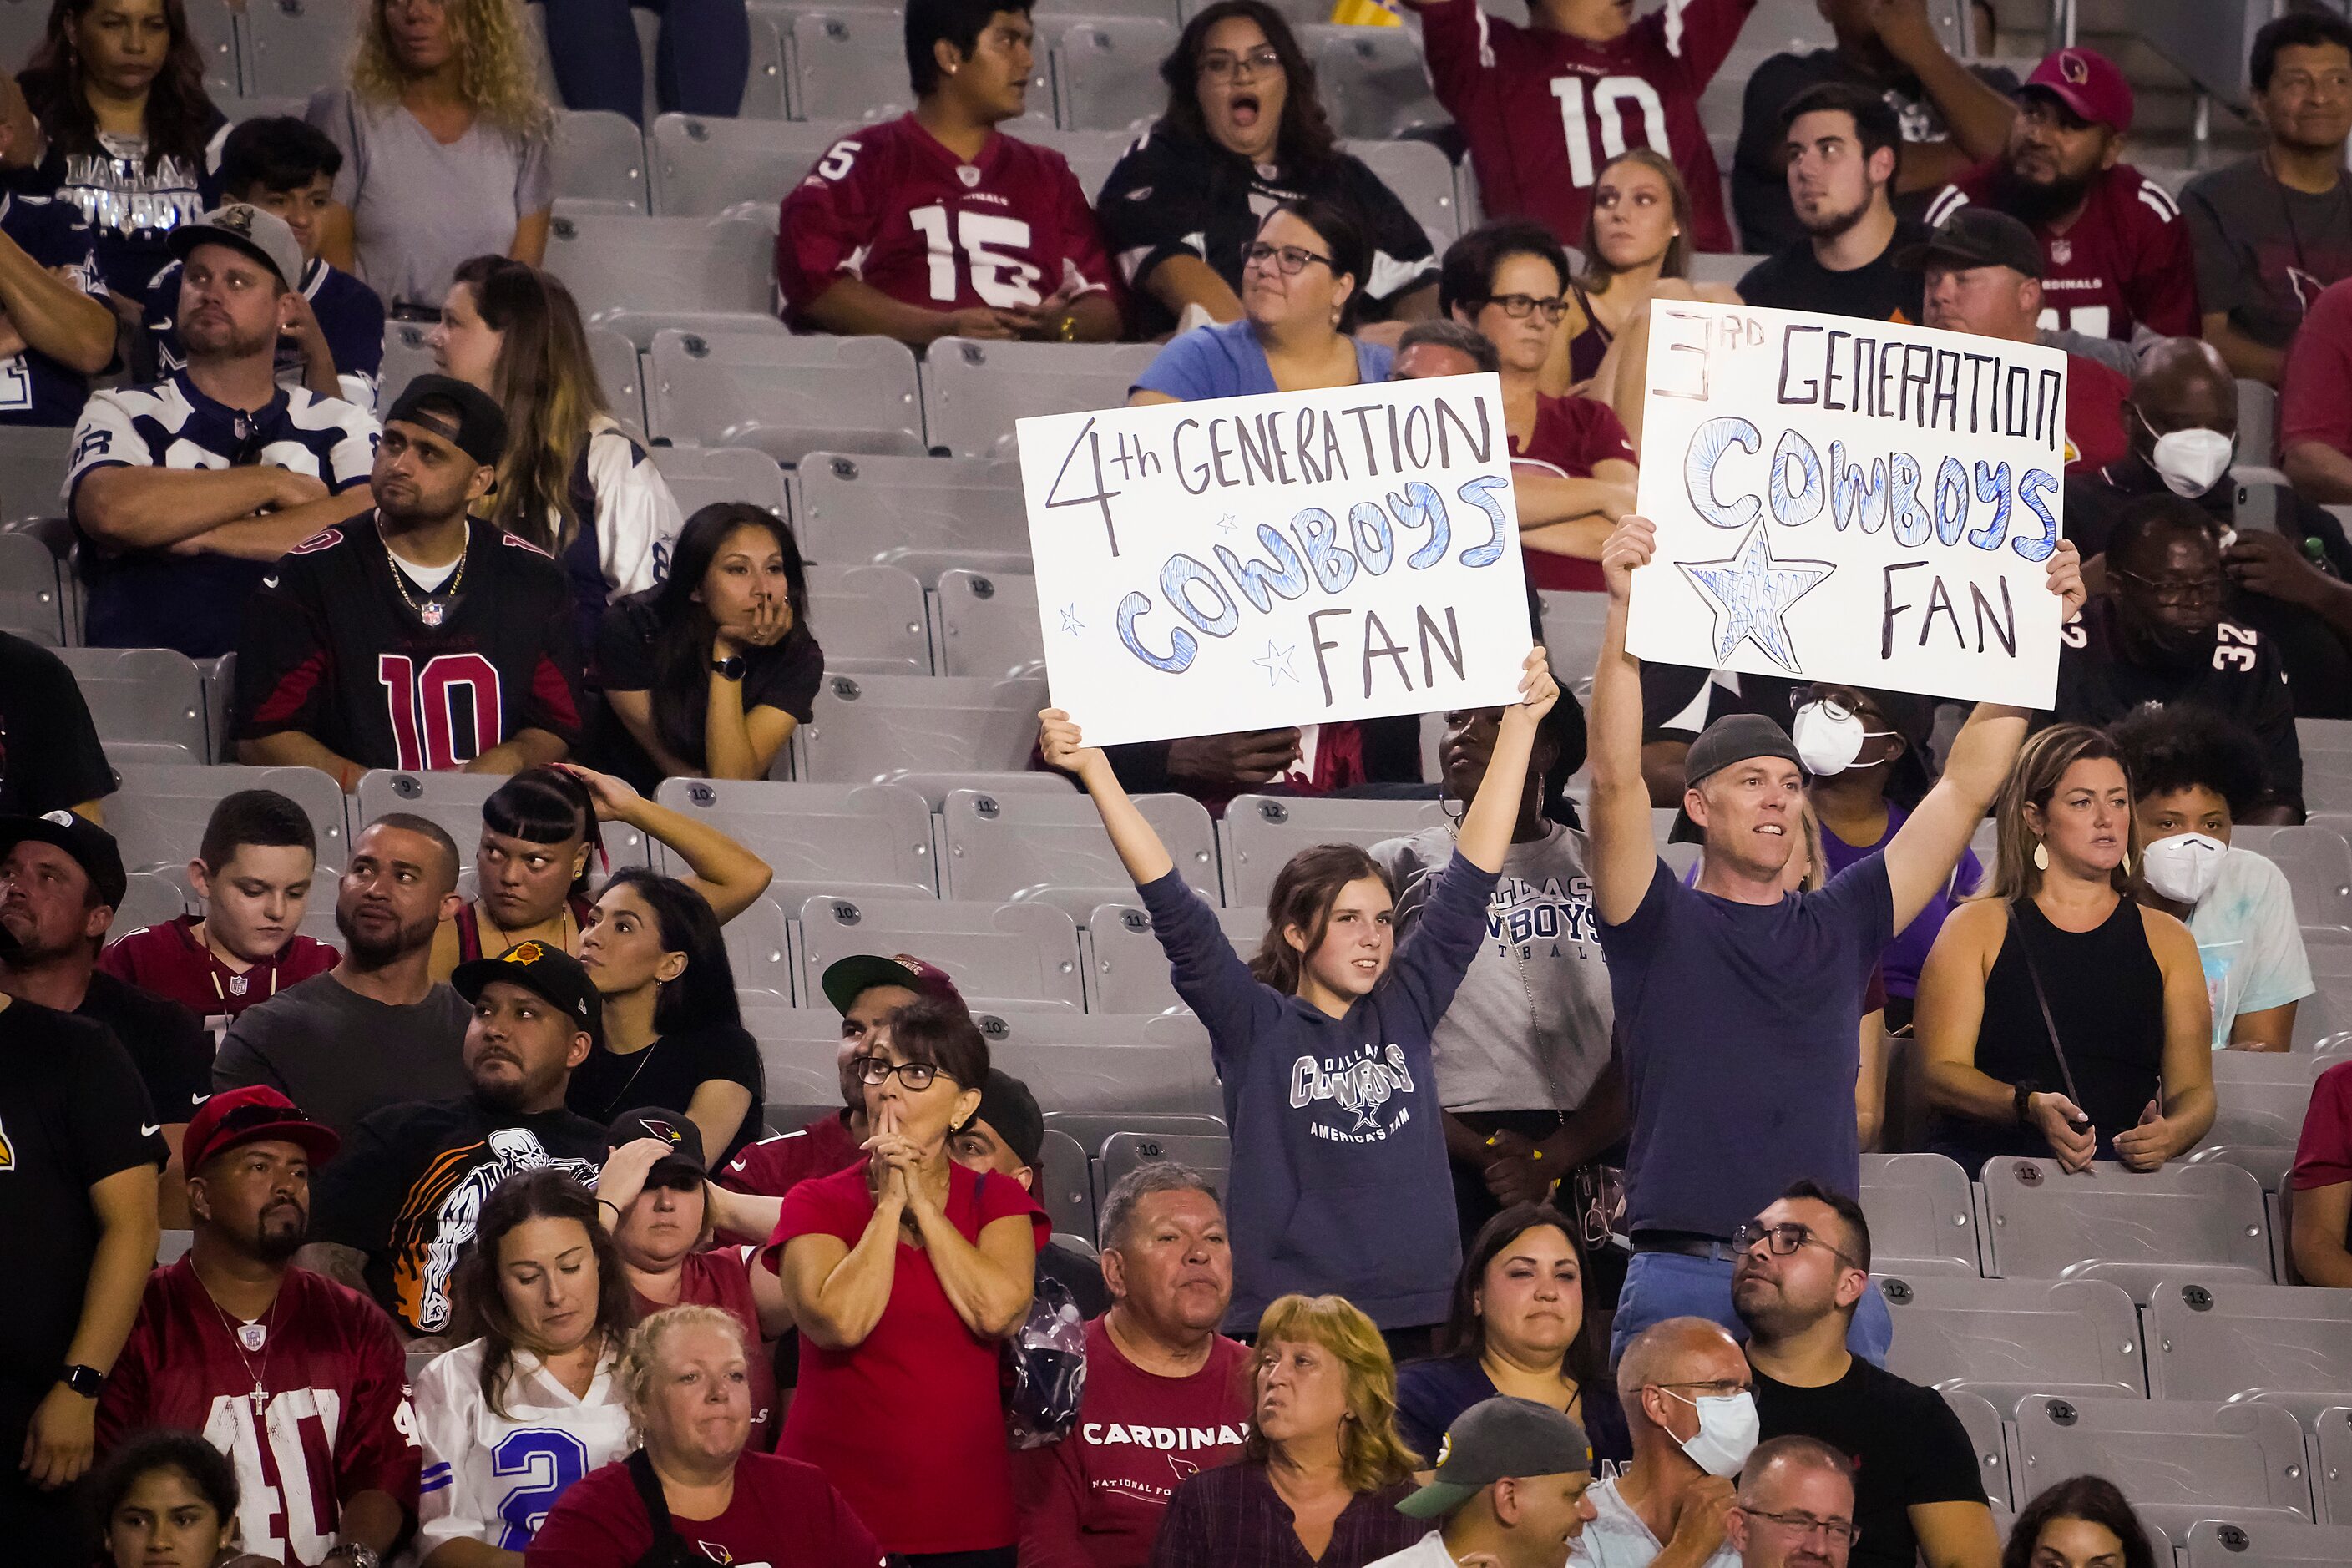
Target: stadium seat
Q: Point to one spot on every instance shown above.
(784, 394)
(758, 948)
(1375, 85)
(2257, 421)
(865, 727)
(845, 63)
(1091, 1128)
(1986, 1436)
(870, 619)
(2315, 735)
(766, 92)
(1424, 181)
(2262, 1095)
(141, 694)
(1262, 831)
(1129, 971)
(1065, 1184)
(2318, 867)
(927, 514)
(1209, 1153)
(453, 800)
(985, 622)
(1092, 155)
(2250, 1543)
(994, 952)
(213, 26)
(972, 391)
(149, 899)
(2134, 1227)
(701, 475)
(2007, 1338)
(935, 788)
(294, 47)
(702, 167)
(1921, 1219)
(862, 841)
(32, 603)
(2266, 1163)
(600, 156)
(406, 356)
(173, 1246)
(1097, 1065)
(2331, 1442)
(641, 264)
(1053, 848)
(620, 376)
(158, 815)
(2177, 1456)
(1107, 72)
(32, 456)
(1709, 267)
(2222, 1340)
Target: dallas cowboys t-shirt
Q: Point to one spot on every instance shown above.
(34, 388)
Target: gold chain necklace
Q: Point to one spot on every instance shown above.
(432, 611)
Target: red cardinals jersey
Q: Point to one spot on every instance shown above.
(2127, 262)
(172, 961)
(331, 1419)
(892, 206)
(783, 1514)
(722, 1277)
(1544, 113)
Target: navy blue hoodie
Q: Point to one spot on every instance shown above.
(1340, 1181)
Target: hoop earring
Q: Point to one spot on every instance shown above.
(2041, 855)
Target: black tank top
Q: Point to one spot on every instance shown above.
(2107, 996)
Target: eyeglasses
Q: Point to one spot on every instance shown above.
(1291, 259)
(1801, 1524)
(1222, 67)
(1518, 307)
(874, 1071)
(2177, 591)
(1784, 1240)
(1719, 1388)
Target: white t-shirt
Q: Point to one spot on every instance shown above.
(1429, 1551)
(492, 1478)
(2248, 941)
(1617, 1539)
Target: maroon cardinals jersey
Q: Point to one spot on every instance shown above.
(784, 1514)
(1544, 113)
(2127, 262)
(172, 961)
(333, 1418)
(892, 206)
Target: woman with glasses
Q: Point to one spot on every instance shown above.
(904, 1272)
(1244, 130)
(1301, 277)
(2056, 1015)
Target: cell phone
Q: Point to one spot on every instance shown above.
(2262, 506)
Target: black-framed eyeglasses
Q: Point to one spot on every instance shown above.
(2177, 590)
(1222, 67)
(1518, 307)
(874, 1071)
(1803, 1524)
(1784, 1240)
(1289, 259)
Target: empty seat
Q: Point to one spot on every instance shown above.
(1424, 181)
(2317, 735)
(1107, 72)
(1092, 155)
(620, 376)
(2262, 1095)
(935, 788)
(987, 623)
(866, 841)
(149, 899)
(846, 64)
(1209, 1153)
(453, 800)
(1984, 1426)
(2331, 1440)
(866, 727)
(872, 620)
(1065, 1184)
(1130, 971)
(784, 394)
(1092, 1129)
(293, 47)
(2257, 422)
(699, 477)
(664, 263)
(2134, 1227)
(1096, 1066)
(2250, 1543)
(141, 694)
(32, 601)
(972, 391)
(2223, 1340)
(1922, 1218)
(1014, 952)
(32, 456)
(600, 156)
(2006, 1338)
(703, 167)
(927, 514)
(1262, 831)
(1054, 848)
(758, 948)
(1376, 85)
(2172, 1455)
(2318, 867)
(158, 815)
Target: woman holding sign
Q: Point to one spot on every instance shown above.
(1339, 1178)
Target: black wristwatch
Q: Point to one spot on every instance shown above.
(2023, 1100)
(86, 1380)
(731, 667)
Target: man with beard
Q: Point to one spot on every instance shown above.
(2156, 634)
(1842, 143)
(397, 1211)
(419, 638)
(376, 1028)
(185, 491)
(2115, 254)
(297, 1380)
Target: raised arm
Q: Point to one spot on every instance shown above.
(728, 875)
(1624, 857)
(1139, 850)
(1486, 833)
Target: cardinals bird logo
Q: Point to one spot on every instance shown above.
(2074, 68)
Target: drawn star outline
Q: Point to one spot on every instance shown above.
(1070, 622)
(1751, 593)
(1276, 662)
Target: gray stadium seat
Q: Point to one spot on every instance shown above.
(1092, 155)
(2257, 422)
(2008, 1338)
(1985, 1434)
(1097, 1066)
(2331, 1442)
(873, 620)
(158, 815)
(2220, 1341)
(1921, 1219)
(846, 64)
(2318, 867)
(866, 727)
(2134, 1227)
(32, 460)
(785, 396)
(173, 1246)
(621, 376)
(699, 476)
(1053, 848)
(1209, 1153)
(237, 110)
(214, 29)
(24, 23)
(758, 948)
(1013, 953)
(664, 264)
(1375, 83)
(32, 602)
(1066, 1184)
(1423, 180)
(703, 167)
(864, 841)
(1262, 831)
(985, 622)
(2262, 1095)
(924, 513)
(600, 156)
(2248, 1543)
(453, 800)
(972, 391)
(1709, 267)
(2268, 1163)
(294, 47)
(2323, 735)
(1131, 970)
(1091, 1128)
(935, 788)
(141, 694)
(1107, 71)
(2175, 1455)
(406, 356)
(765, 93)
(149, 899)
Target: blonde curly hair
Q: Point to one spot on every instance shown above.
(497, 75)
(640, 1361)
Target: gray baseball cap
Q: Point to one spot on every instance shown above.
(241, 225)
(1496, 1439)
(1735, 738)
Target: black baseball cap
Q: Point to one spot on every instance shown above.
(92, 848)
(680, 1133)
(1011, 1111)
(1976, 237)
(846, 980)
(1499, 1439)
(481, 429)
(1735, 738)
(544, 969)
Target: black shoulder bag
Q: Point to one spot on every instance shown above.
(669, 1548)
(2049, 1024)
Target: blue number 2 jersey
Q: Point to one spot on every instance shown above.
(491, 1478)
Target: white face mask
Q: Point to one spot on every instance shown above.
(2188, 461)
(2184, 867)
(1728, 1432)
(1828, 738)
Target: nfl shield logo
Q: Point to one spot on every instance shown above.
(968, 175)
(2061, 252)
(238, 983)
(432, 612)
(251, 1335)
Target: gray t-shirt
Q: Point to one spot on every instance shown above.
(1529, 1028)
(2264, 251)
(420, 207)
(339, 1055)
(1617, 1539)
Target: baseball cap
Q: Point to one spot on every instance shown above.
(233, 1117)
(2087, 82)
(481, 432)
(1008, 1108)
(258, 232)
(680, 1133)
(548, 970)
(1976, 237)
(1734, 737)
(92, 848)
(1494, 1440)
(846, 980)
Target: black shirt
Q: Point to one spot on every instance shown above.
(666, 1073)
(1678, 701)
(50, 759)
(1077, 1273)
(169, 1044)
(785, 677)
(409, 1182)
(1907, 1446)
(1794, 279)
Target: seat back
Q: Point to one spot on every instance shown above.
(158, 814)
(1424, 181)
(2250, 1543)
(872, 620)
(1029, 845)
(923, 512)
(1209, 1153)
(699, 476)
(664, 263)
(293, 48)
(846, 64)
(1130, 971)
(973, 391)
(864, 841)
(1262, 831)
(2167, 1453)
(866, 727)
(32, 600)
(2124, 1225)
(2318, 867)
(987, 623)
(1019, 952)
(1107, 72)
(2221, 1340)
(1378, 87)
(702, 167)
(784, 394)
(1985, 1430)
(141, 694)
(600, 156)
(1921, 1215)
(758, 950)
(2006, 1338)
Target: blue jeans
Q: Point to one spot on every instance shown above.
(1662, 1285)
(699, 65)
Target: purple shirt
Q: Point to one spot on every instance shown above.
(1232, 1517)
(1901, 960)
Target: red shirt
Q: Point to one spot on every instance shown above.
(337, 1382)
(1570, 435)
(172, 961)
(2322, 1155)
(854, 1412)
(1543, 112)
(774, 1166)
(2094, 414)
(1094, 1500)
(722, 1277)
(784, 1514)
(2125, 262)
(2315, 393)
(890, 206)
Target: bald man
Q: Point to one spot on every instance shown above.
(1795, 1507)
(2180, 421)
(1684, 1386)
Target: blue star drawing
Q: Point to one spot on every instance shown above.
(1276, 662)
(1227, 523)
(1070, 622)
(1751, 593)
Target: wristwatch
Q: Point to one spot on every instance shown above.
(86, 1380)
(731, 667)
(2023, 1102)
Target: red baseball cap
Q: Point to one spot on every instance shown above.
(2087, 82)
(847, 979)
(247, 1115)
